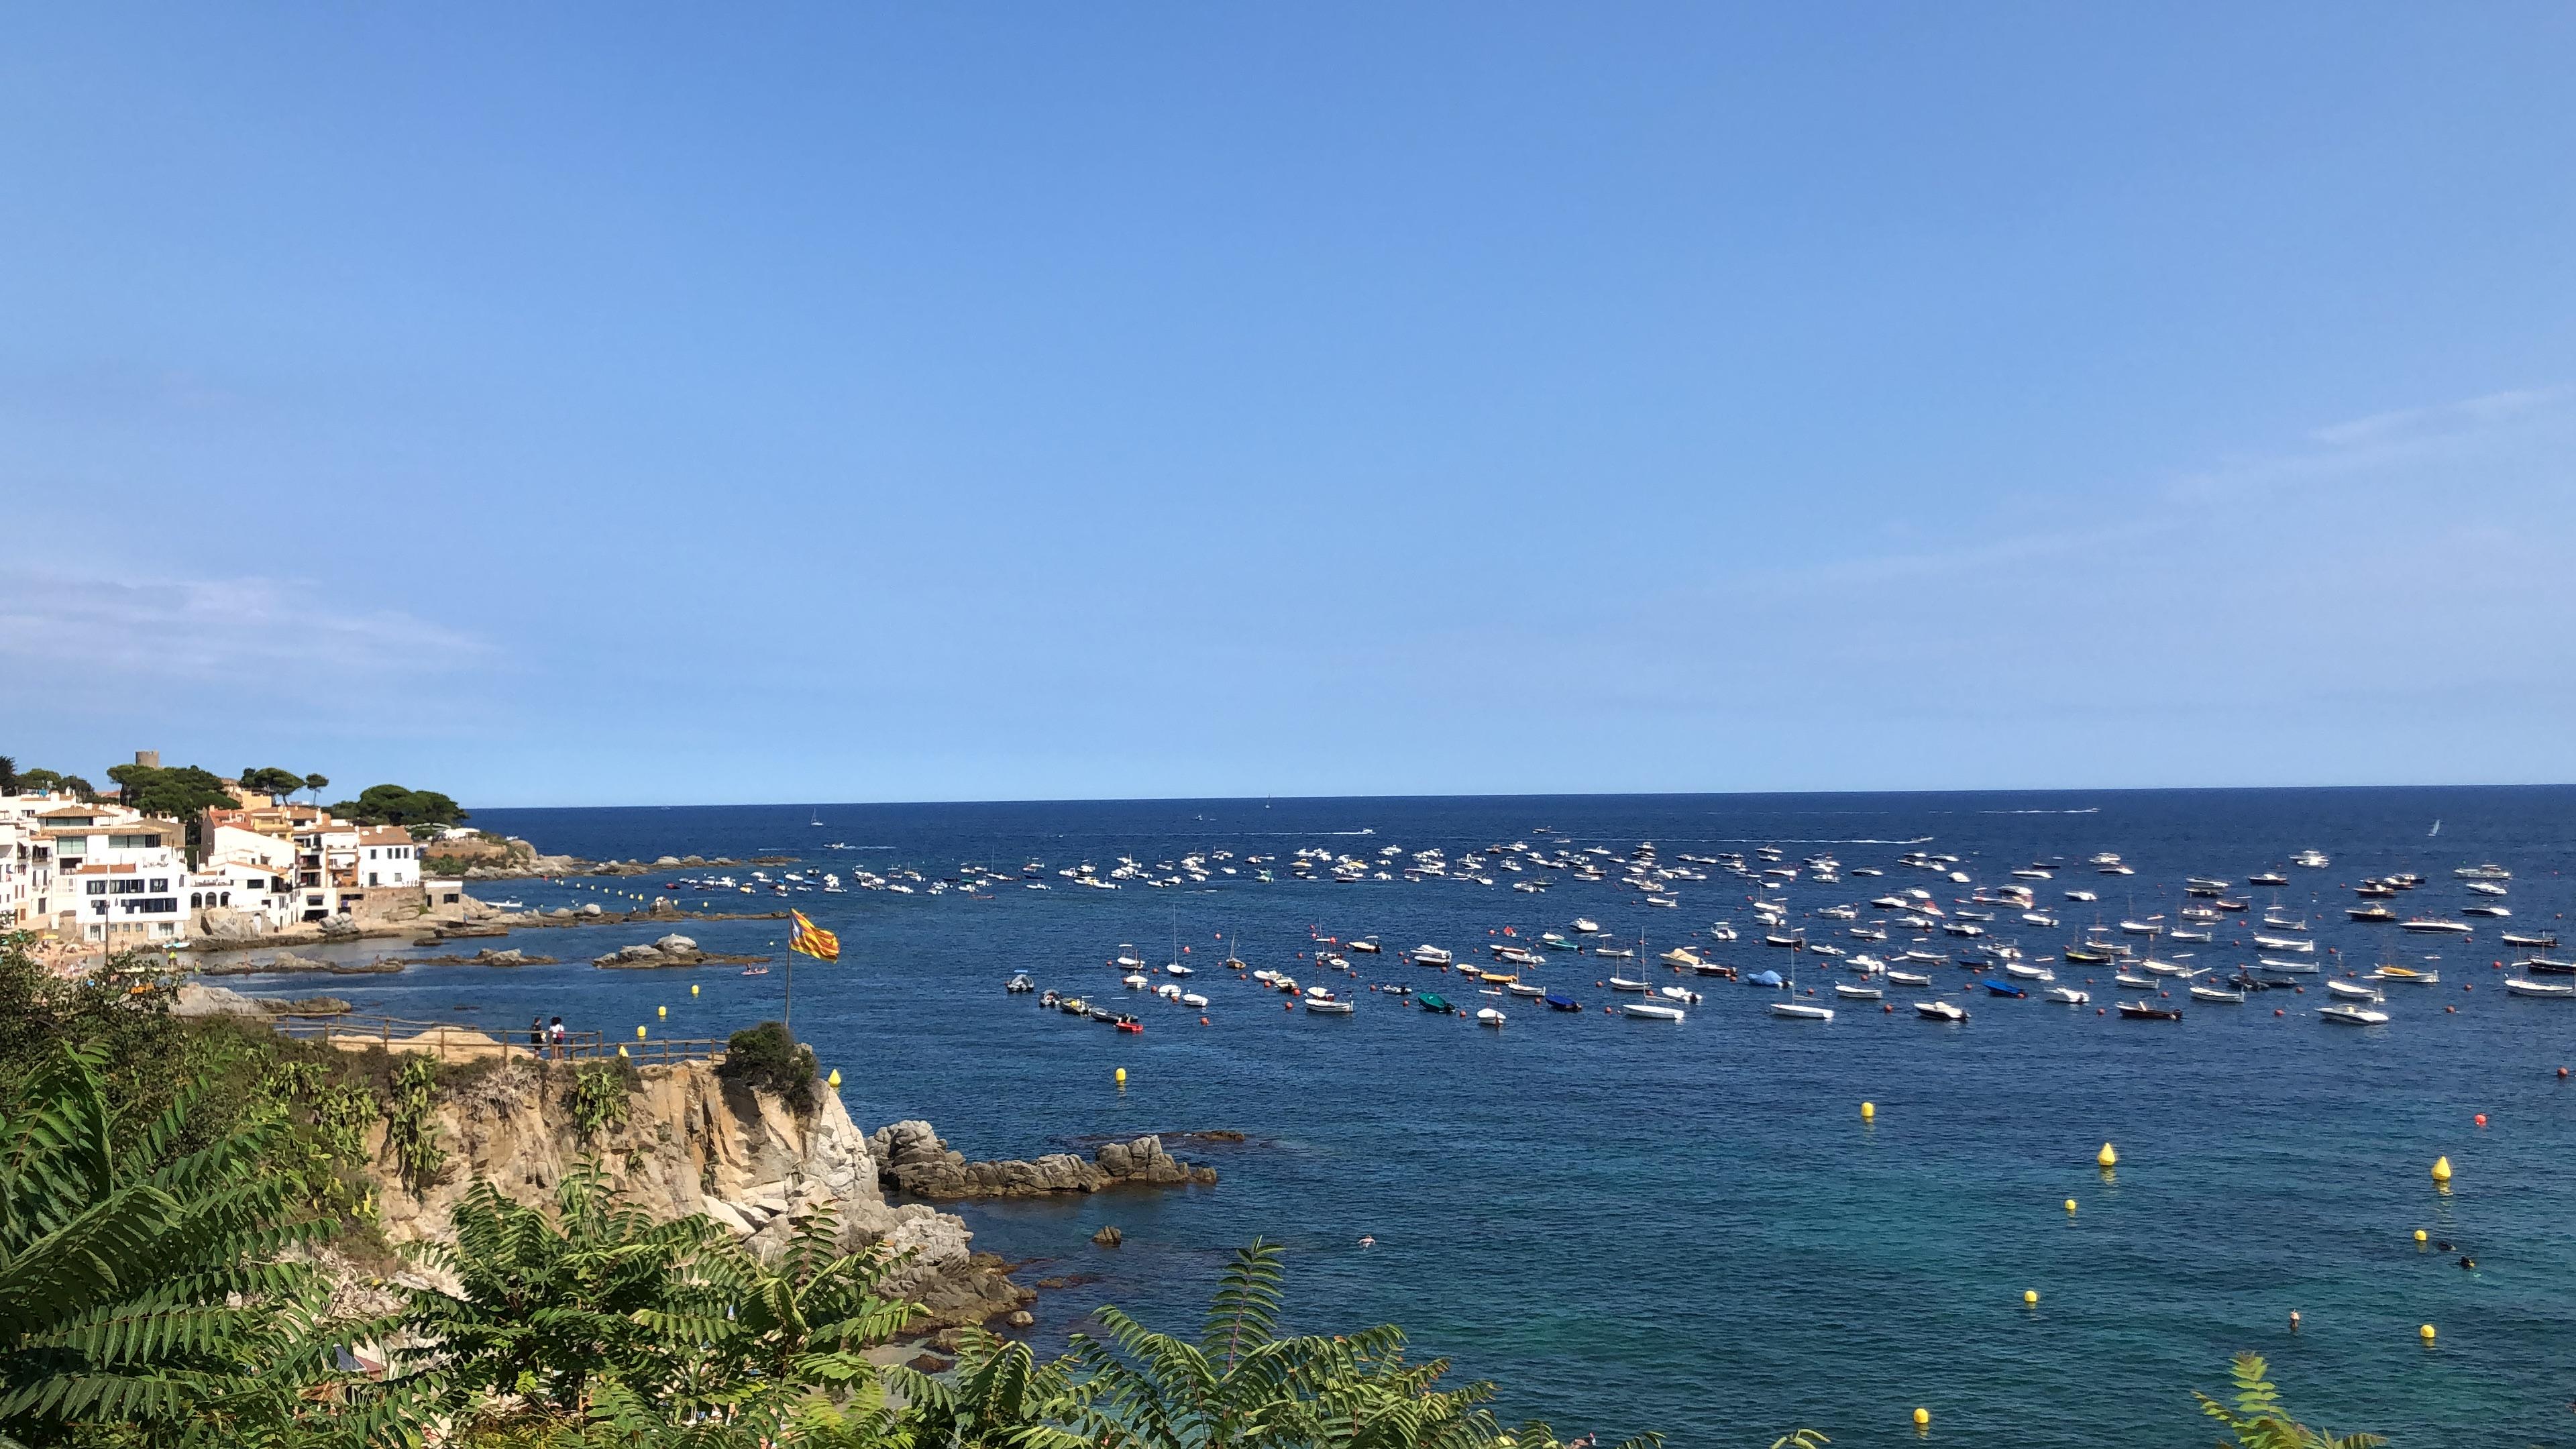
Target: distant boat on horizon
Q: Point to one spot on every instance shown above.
(2436, 830)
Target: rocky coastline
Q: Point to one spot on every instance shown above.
(912, 1158)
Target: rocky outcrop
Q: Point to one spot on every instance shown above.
(288, 961)
(912, 1158)
(695, 1143)
(671, 950)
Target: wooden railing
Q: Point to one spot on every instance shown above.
(457, 1041)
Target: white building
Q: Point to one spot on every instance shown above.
(119, 877)
(387, 858)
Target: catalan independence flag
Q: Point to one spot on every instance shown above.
(813, 940)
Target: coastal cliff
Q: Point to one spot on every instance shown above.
(690, 1142)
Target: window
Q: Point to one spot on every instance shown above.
(125, 887)
(371, 878)
(134, 842)
(227, 900)
(160, 884)
(196, 900)
(98, 888)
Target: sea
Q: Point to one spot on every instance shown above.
(1691, 1227)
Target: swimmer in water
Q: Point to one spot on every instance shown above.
(1367, 1241)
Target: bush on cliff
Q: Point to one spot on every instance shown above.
(769, 1058)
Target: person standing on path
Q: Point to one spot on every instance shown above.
(557, 1032)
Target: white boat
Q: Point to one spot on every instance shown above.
(2141, 928)
(1431, 956)
(1940, 1011)
(1849, 992)
(1193, 999)
(1168, 991)
(1175, 968)
(2355, 991)
(2154, 967)
(1616, 953)
(1587, 926)
(2312, 859)
(2489, 871)
(1622, 983)
(2216, 994)
(1487, 1016)
(1523, 988)
(2290, 968)
(2293, 944)
(1801, 1011)
(2351, 1014)
(2520, 987)
(2066, 996)
(1322, 1007)
(1366, 945)
(1909, 978)
(1681, 956)
(1649, 1011)
(2134, 982)
(2486, 888)
(2407, 976)
(2020, 972)
(1682, 994)
(2038, 918)
(2082, 896)
(2433, 926)
(1133, 981)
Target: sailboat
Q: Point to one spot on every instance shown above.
(2436, 830)
(1799, 1010)
(817, 813)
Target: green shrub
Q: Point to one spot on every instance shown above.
(768, 1057)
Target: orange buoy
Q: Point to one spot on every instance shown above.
(2482, 1119)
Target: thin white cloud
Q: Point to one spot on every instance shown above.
(243, 630)
(2383, 441)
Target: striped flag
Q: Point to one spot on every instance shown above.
(813, 940)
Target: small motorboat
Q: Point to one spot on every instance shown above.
(1169, 991)
(1940, 1011)
(2005, 988)
(2543, 966)
(2020, 972)
(2351, 1014)
(1650, 1011)
(1769, 980)
(2432, 926)
(2296, 945)
(1850, 992)
(1177, 969)
(2520, 987)
(1523, 988)
(1366, 945)
(1133, 981)
(1587, 926)
(2218, 996)
(755, 971)
(2355, 991)
(2149, 1011)
(2543, 941)
(1434, 1001)
(1487, 1016)
(1430, 956)
(1558, 1002)
(1623, 983)
(1681, 995)
(1019, 983)
(2066, 996)
(1194, 1000)
(1555, 942)
(1131, 1025)
(2134, 983)
(2407, 976)
(1328, 1006)
(1680, 957)
(1801, 1011)
(1616, 953)
(1908, 978)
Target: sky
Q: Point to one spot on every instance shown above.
(589, 404)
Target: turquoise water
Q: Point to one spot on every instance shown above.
(1689, 1227)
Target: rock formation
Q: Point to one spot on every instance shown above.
(911, 1158)
(694, 1143)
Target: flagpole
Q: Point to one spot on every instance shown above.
(787, 1018)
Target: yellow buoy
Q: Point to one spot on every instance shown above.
(2419, 1235)
(1868, 1110)
(639, 1033)
(835, 1079)
(663, 1011)
(2425, 1333)
(2030, 1297)
(2070, 1204)
(2106, 1157)
(1122, 1076)
(693, 988)
(2441, 1169)
(1922, 1418)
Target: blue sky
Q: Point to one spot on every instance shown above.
(589, 404)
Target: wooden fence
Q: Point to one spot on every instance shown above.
(455, 1041)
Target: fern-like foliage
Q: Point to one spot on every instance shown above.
(1244, 1383)
(143, 1295)
(2255, 1417)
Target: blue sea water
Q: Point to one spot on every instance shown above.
(1689, 1227)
